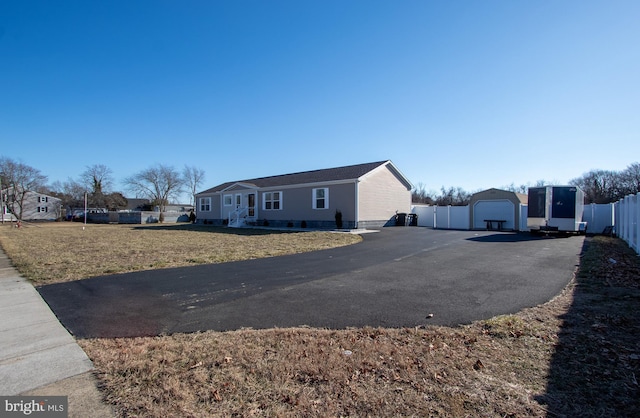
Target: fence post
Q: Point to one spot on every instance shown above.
(620, 219)
(435, 217)
(617, 218)
(612, 215)
(630, 210)
(620, 224)
(636, 225)
(625, 219)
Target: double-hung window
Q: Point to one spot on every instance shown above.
(228, 200)
(205, 204)
(320, 198)
(272, 200)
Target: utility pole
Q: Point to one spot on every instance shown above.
(2, 201)
(85, 210)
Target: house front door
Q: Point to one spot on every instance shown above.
(251, 204)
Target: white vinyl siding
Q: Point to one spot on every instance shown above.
(320, 198)
(272, 201)
(381, 195)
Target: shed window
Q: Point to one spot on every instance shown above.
(272, 200)
(320, 198)
(205, 204)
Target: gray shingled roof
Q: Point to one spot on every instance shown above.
(350, 172)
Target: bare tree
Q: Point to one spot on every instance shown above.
(192, 177)
(630, 179)
(453, 196)
(97, 180)
(19, 179)
(523, 188)
(420, 195)
(599, 186)
(159, 184)
(70, 192)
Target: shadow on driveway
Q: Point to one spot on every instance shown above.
(516, 237)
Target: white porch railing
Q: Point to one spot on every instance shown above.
(237, 217)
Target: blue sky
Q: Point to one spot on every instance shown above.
(471, 94)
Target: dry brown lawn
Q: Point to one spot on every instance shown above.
(56, 252)
(577, 355)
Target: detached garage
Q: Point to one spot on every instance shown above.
(496, 205)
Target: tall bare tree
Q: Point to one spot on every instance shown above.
(419, 194)
(70, 192)
(523, 188)
(193, 178)
(97, 180)
(19, 179)
(454, 196)
(599, 186)
(159, 183)
(630, 179)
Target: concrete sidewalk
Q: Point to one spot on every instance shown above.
(38, 356)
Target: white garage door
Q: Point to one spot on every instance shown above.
(494, 209)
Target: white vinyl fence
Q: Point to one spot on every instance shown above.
(598, 217)
(524, 212)
(443, 217)
(627, 220)
(454, 217)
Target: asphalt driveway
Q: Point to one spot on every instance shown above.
(394, 278)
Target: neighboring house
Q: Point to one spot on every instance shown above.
(496, 204)
(35, 206)
(135, 204)
(367, 195)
